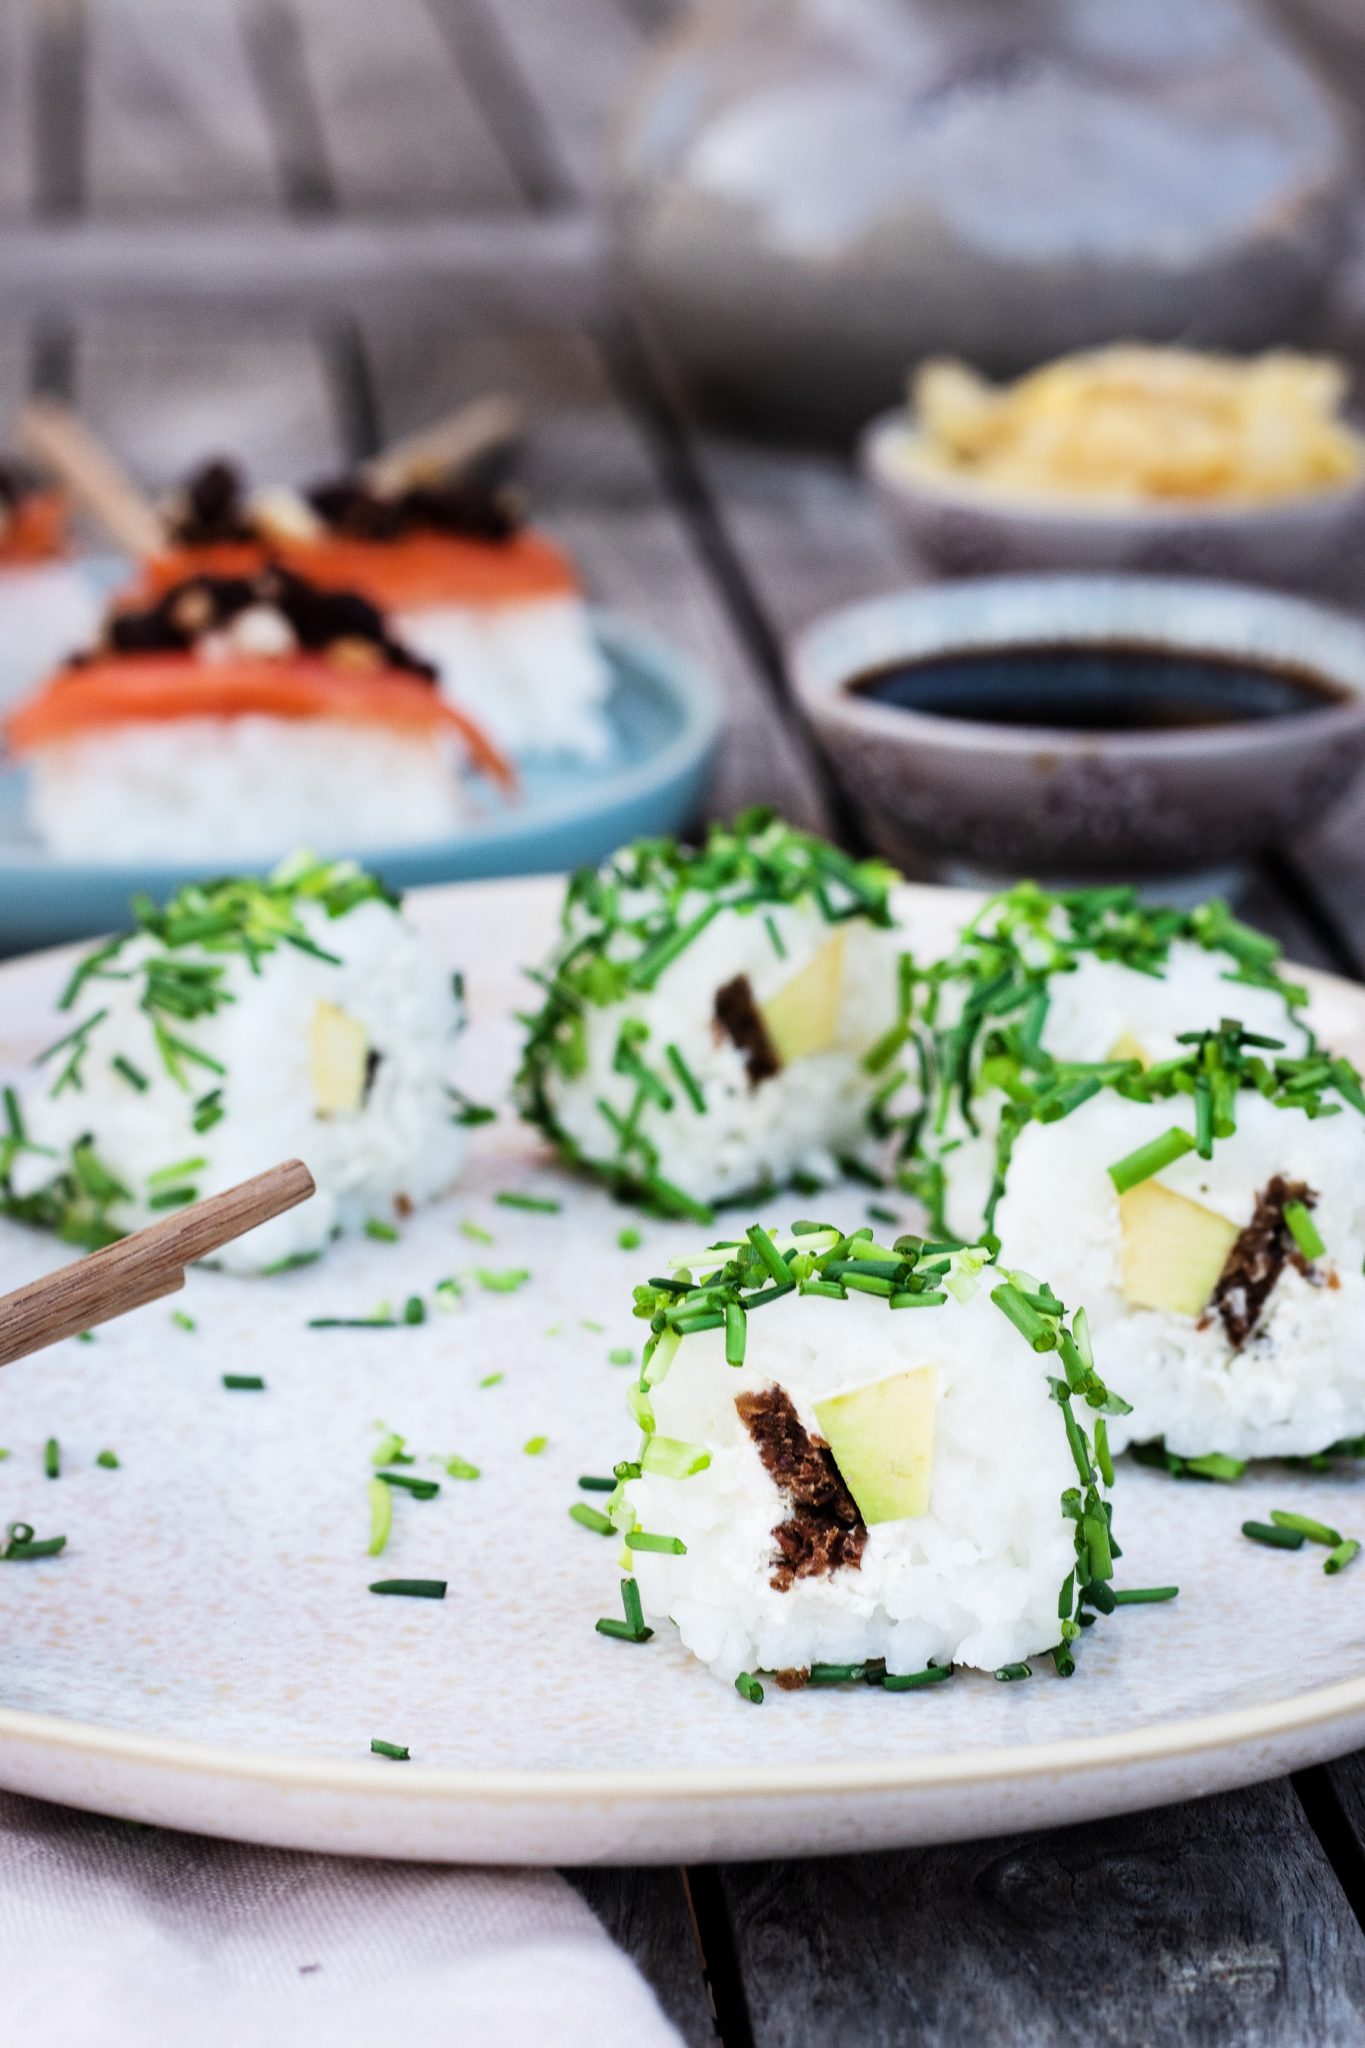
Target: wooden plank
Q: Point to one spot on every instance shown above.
(19, 75)
(1217, 1922)
(173, 118)
(401, 126)
(645, 1913)
(576, 59)
(594, 480)
(165, 396)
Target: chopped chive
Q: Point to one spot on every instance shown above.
(183, 1321)
(1338, 1560)
(1009, 1672)
(622, 1355)
(775, 935)
(414, 1309)
(1102, 1457)
(836, 1674)
(1026, 1319)
(736, 1333)
(591, 1482)
(173, 1198)
(632, 1629)
(585, 1323)
(1216, 1465)
(381, 1232)
(134, 1076)
(748, 1688)
(1316, 1532)
(20, 1549)
(492, 1379)
(538, 1205)
(1274, 1538)
(506, 1281)
(166, 1174)
(475, 1232)
(52, 1458)
(292, 1263)
(108, 1460)
(687, 1080)
(420, 1489)
(1303, 1230)
(879, 1214)
(1150, 1158)
(85, 1337)
(911, 1681)
(411, 1589)
(590, 1518)
(243, 1383)
(534, 1445)
(397, 1752)
(354, 1323)
(629, 1238)
(460, 1468)
(1142, 1596)
(381, 1516)
(642, 1539)
(392, 1450)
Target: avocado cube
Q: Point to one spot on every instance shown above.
(803, 1017)
(881, 1437)
(1173, 1249)
(1126, 1047)
(340, 1049)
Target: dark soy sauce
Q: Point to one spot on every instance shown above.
(1121, 687)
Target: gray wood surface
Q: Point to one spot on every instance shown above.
(284, 229)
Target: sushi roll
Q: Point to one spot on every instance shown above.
(1039, 982)
(244, 1022)
(238, 714)
(829, 1487)
(710, 1017)
(1210, 1212)
(495, 607)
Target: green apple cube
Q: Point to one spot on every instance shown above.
(340, 1049)
(803, 1017)
(882, 1439)
(1173, 1249)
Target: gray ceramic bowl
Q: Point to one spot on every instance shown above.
(1313, 543)
(1003, 798)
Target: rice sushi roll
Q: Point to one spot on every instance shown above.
(1210, 1212)
(239, 714)
(494, 606)
(709, 1015)
(1041, 982)
(827, 1486)
(243, 1022)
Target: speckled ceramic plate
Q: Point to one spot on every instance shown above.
(205, 1653)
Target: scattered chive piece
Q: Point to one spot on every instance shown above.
(1217, 1465)
(1303, 1230)
(1143, 1596)
(19, 1549)
(291, 1264)
(243, 1382)
(492, 1379)
(420, 1489)
(475, 1232)
(134, 1076)
(85, 1336)
(629, 1239)
(1338, 1559)
(164, 1175)
(411, 1589)
(353, 1323)
(913, 1680)
(383, 1233)
(391, 1450)
(1009, 1672)
(591, 1482)
(447, 1294)
(506, 1281)
(586, 1323)
(590, 1518)
(1273, 1538)
(632, 1629)
(748, 1688)
(182, 1321)
(1316, 1532)
(52, 1458)
(460, 1468)
(396, 1751)
(881, 1215)
(641, 1539)
(381, 1516)
(687, 1080)
(836, 1674)
(539, 1205)
(109, 1460)
(414, 1309)
(1150, 1158)
(622, 1355)
(534, 1445)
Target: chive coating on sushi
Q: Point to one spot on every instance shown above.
(316, 961)
(681, 1055)
(780, 1508)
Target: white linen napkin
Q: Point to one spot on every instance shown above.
(113, 1936)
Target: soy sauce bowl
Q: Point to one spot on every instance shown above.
(1066, 775)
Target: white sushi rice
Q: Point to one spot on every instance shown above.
(974, 1580)
(798, 1120)
(533, 674)
(1299, 1383)
(240, 789)
(399, 1145)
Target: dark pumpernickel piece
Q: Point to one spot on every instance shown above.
(475, 506)
(739, 1017)
(1259, 1255)
(824, 1529)
(336, 623)
(212, 507)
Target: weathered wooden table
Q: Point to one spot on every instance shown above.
(291, 229)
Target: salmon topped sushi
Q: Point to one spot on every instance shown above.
(494, 605)
(236, 714)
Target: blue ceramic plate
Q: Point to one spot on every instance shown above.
(664, 713)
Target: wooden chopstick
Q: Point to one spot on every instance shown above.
(144, 1267)
(59, 440)
(449, 444)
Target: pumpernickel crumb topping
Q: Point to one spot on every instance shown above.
(823, 1530)
(1259, 1255)
(214, 507)
(738, 1017)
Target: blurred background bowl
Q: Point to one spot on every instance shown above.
(935, 791)
(955, 527)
